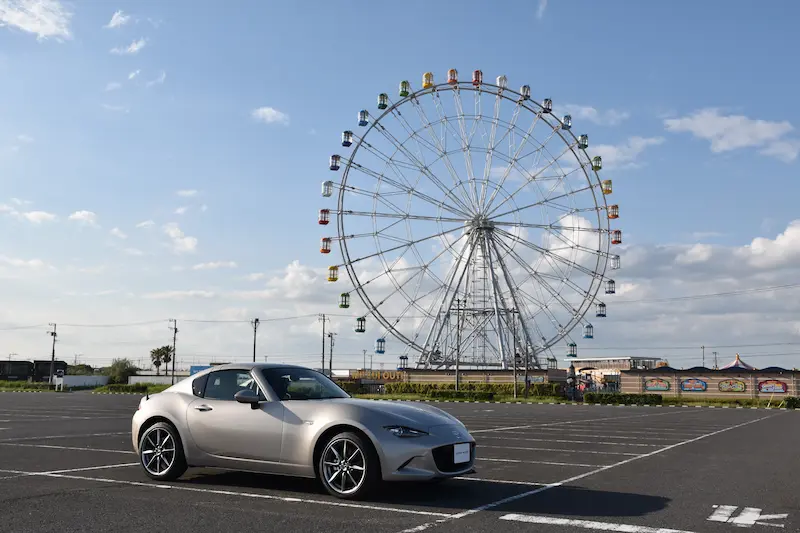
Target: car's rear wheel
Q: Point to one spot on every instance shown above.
(348, 466)
(161, 452)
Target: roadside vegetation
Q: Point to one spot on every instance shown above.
(138, 388)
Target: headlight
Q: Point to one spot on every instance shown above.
(403, 431)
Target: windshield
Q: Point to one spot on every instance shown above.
(301, 384)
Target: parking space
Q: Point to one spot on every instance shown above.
(66, 464)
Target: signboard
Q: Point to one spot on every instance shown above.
(694, 385)
(772, 385)
(732, 385)
(656, 384)
(377, 375)
(199, 368)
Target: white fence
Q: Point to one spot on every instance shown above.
(158, 380)
(85, 381)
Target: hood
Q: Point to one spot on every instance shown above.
(418, 416)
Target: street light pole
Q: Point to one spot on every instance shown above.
(255, 322)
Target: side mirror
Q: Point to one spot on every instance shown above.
(247, 396)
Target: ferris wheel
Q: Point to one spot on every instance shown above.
(472, 224)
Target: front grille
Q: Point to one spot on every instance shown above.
(443, 456)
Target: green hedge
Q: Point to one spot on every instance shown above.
(351, 387)
(793, 402)
(20, 385)
(498, 389)
(622, 399)
(139, 388)
(461, 395)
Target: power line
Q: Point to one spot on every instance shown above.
(691, 347)
(711, 295)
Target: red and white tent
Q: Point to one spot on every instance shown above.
(737, 363)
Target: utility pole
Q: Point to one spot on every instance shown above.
(528, 348)
(174, 327)
(365, 359)
(255, 322)
(323, 319)
(53, 353)
(704, 355)
(458, 336)
(716, 366)
(514, 348)
(330, 355)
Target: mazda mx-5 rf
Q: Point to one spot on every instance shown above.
(294, 421)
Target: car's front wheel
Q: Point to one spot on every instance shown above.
(161, 452)
(348, 466)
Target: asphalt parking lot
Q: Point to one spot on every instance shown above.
(66, 464)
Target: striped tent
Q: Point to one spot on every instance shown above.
(737, 364)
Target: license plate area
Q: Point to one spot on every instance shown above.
(461, 453)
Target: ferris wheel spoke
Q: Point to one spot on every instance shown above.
(548, 253)
(542, 281)
(498, 297)
(507, 171)
(441, 233)
(490, 147)
(422, 167)
(539, 203)
(491, 210)
(464, 136)
(427, 125)
(408, 190)
(402, 216)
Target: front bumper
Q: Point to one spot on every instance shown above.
(428, 457)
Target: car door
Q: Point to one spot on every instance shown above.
(229, 430)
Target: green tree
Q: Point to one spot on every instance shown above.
(161, 355)
(120, 370)
(80, 370)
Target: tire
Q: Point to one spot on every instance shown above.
(170, 462)
(364, 461)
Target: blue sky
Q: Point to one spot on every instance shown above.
(691, 108)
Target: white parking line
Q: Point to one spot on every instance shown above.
(287, 499)
(501, 481)
(588, 524)
(564, 422)
(549, 486)
(575, 441)
(43, 437)
(482, 446)
(101, 467)
(54, 447)
(593, 435)
(534, 462)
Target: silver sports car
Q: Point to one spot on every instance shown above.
(295, 421)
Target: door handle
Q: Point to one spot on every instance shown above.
(204, 408)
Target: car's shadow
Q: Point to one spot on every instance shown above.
(454, 494)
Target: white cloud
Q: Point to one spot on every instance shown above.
(45, 18)
(24, 138)
(115, 108)
(22, 263)
(158, 81)
(540, 10)
(734, 132)
(611, 117)
(132, 251)
(113, 86)
(118, 19)
(270, 115)
(626, 154)
(180, 242)
(187, 192)
(131, 49)
(17, 201)
(781, 251)
(255, 276)
(118, 233)
(146, 224)
(133, 74)
(85, 217)
(37, 217)
(179, 295)
(699, 253)
(181, 210)
(214, 265)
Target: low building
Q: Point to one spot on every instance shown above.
(376, 377)
(735, 380)
(603, 373)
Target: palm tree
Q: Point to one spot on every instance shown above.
(162, 354)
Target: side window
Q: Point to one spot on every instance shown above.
(199, 385)
(224, 384)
